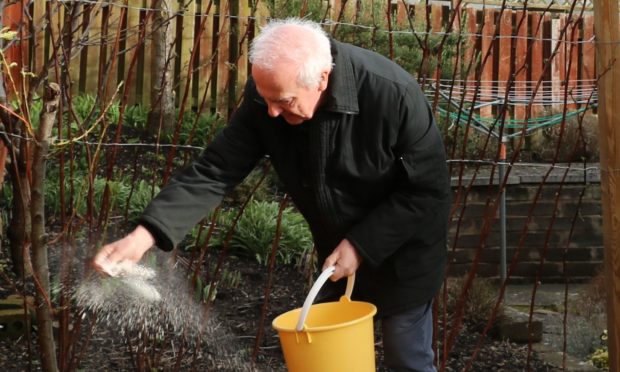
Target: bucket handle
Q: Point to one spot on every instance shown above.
(314, 291)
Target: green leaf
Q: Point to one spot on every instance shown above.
(6, 34)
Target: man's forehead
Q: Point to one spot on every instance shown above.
(274, 86)
(275, 94)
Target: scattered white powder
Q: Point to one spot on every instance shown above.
(127, 268)
(155, 301)
(137, 299)
(142, 288)
(135, 277)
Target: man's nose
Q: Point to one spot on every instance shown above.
(274, 110)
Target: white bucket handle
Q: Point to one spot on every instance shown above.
(314, 291)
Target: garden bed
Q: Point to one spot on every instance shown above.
(229, 340)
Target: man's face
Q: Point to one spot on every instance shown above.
(285, 97)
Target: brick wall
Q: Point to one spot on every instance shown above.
(557, 235)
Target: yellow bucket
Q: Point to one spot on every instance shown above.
(333, 336)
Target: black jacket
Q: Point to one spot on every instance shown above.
(370, 167)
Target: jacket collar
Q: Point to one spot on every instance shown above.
(342, 90)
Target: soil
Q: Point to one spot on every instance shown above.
(229, 342)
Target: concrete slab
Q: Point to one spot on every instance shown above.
(546, 296)
(549, 303)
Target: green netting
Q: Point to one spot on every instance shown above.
(488, 124)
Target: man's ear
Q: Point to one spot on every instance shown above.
(324, 80)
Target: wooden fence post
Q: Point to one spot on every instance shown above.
(607, 30)
(588, 72)
(537, 62)
(557, 67)
(486, 76)
(506, 59)
(521, 63)
(572, 60)
(471, 53)
(12, 18)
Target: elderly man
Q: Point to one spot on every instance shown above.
(353, 140)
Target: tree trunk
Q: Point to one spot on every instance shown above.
(19, 226)
(161, 118)
(3, 147)
(3, 156)
(39, 250)
(18, 170)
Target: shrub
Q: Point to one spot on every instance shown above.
(83, 105)
(199, 130)
(86, 110)
(600, 357)
(141, 196)
(579, 139)
(265, 191)
(119, 191)
(592, 300)
(587, 319)
(479, 304)
(207, 292)
(255, 232)
(135, 117)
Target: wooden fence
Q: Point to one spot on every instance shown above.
(510, 48)
(544, 58)
(106, 48)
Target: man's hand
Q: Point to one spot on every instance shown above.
(345, 258)
(131, 248)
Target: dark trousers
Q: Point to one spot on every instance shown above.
(407, 340)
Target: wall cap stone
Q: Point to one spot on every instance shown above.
(531, 173)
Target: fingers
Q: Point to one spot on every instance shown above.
(110, 258)
(342, 270)
(131, 248)
(345, 259)
(120, 251)
(101, 258)
(112, 253)
(332, 260)
(106, 261)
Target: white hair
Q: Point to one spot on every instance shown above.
(311, 54)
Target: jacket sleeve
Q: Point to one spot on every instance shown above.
(415, 213)
(195, 191)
